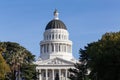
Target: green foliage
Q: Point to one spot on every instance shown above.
(28, 72)
(4, 67)
(103, 59)
(80, 71)
(20, 61)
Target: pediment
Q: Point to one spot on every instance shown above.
(56, 61)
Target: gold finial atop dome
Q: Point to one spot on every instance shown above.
(56, 14)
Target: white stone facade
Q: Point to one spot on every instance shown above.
(56, 43)
(55, 54)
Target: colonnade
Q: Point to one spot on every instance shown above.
(50, 74)
(55, 36)
(56, 47)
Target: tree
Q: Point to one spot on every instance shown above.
(4, 67)
(29, 72)
(20, 61)
(103, 58)
(80, 70)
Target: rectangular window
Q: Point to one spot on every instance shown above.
(44, 74)
(47, 47)
(48, 74)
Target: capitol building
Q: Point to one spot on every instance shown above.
(55, 52)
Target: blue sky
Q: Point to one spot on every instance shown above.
(24, 21)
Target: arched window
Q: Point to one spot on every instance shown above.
(59, 47)
(52, 47)
(64, 48)
(47, 47)
(44, 48)
(47, 37)
(53, 36)
(64, 37)
(41, 49)
(59, 36)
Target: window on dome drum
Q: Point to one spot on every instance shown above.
(49, 36)
(44, 48)
(59, 47)
(41, 48)
(53, 36)
(52, 47)
(64, 37)
(47, 47)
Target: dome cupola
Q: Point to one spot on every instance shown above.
(55, 23)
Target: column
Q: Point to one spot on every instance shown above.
(49, 48)
(62, 47)
(66, 74)
(66, 47)
(59, 74)
(70, 49)
(56, 37)
(46, 74)
(59, 47)
(53, 74)
(40, 48)
(44, 48)
(40, 74)
(50, 36)
(56, 47)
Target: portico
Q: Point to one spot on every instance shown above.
(49, 69)
(50, 74)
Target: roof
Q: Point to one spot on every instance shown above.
(55, 24)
